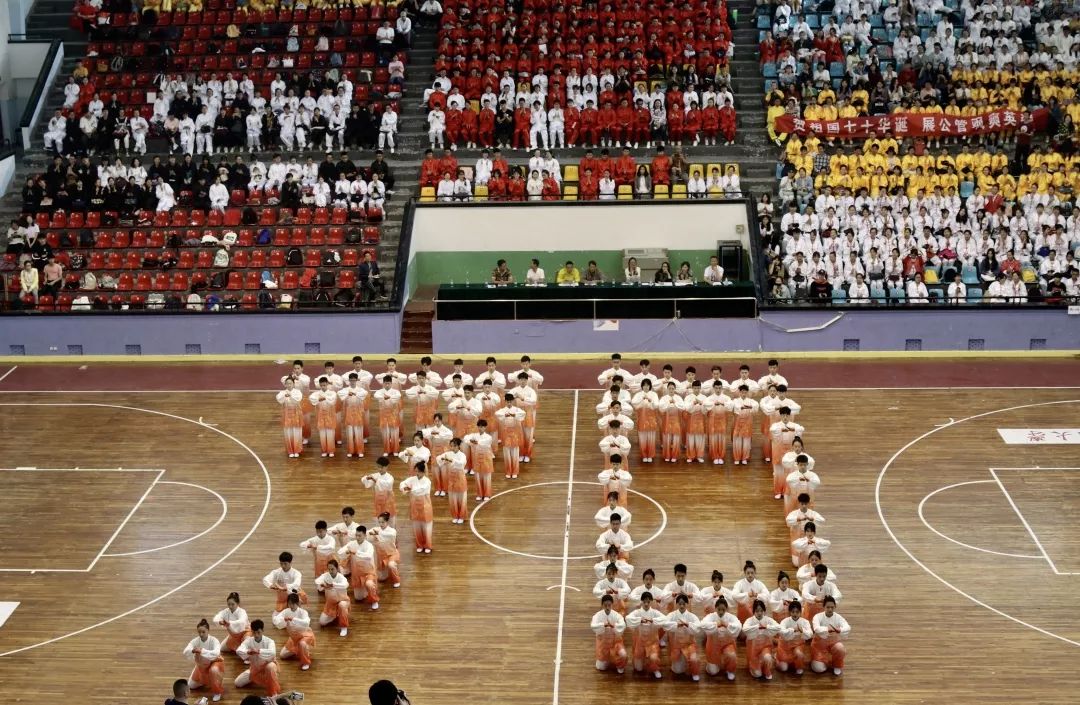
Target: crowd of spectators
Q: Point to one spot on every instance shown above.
(570, 275)
(958, 219)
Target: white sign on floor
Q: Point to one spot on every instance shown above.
(1040, 436)
(6, 610)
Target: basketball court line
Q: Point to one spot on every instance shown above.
(542, 389)
(961, 543)
(127, 518)
(1024, 521)
(197, 576)
(5, 375)
(566, 554)
(204, 532)
(926, 568)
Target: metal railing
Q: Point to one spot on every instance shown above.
(673, 302)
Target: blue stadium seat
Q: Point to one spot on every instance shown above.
(813, 22)
(966, 189)
(838, 296)
(974, 295)
(878, 34)
(877, 292)
(836, 69)
(897, 295)
(769, 70)
(970, 275)
(763, 22)
(877, 21)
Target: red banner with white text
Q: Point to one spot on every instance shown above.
(916, 124)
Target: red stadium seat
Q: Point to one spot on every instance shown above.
(249, 302)
(317, 236)
(143, 282)
(336, 235)
(350, 257)
(239, 258)
(236, 282)
(258, 259)
(312, 258)
(125, 282)
(161, 282)
(251, 279)
(186, 259)
(180, 281)
(291, 280)
(371, 235)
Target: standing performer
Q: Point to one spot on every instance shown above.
(322, 545)
(302, 382)
(510, 419)
(205, 651)
(721, 630)
(385, 539)
(751, 590)
(479, 444)
(717, 421)
(827, 648)
(344, 530)
(797, 518)
(490, 401)
(260, 654)
(458, 370)
(706, 597)
(801, 480)
(284, 580)
(426, 397)
(697, 407)
(292, 417)
(465, 411)
(783, 434)
(354, 415)
(647, 623)
(324, 400)
(671, 407)
(809, 541)
(792, 455)
(616, 536)
(430, 376)
(497, 379)
(759, 630)
(615, 479)
(682, 627)
(416, 453)
(816, 591)
(611, 584)
(296, 622)
(381, 483)
(744, 408)
(235, 620)
(645, 404)
(389, 401)
(679, 586)
(455, 390)
(792, 650)
(528, 400)
(781, 597)
(451, 466)
(437, 436)
(603, 514)
(365, 378)
(418, 489)
(774, 377)
(604, 378)
(358, 557)
(397, 379)
(769, 406)
(614, 443)
(615, 413)
(608, 625)
(335, 588)
(622, 569)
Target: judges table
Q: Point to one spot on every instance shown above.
(457, 302)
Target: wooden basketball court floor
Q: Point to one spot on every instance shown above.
(954, 551)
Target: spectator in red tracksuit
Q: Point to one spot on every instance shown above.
(660, 169)
(675, 117)
(430, 172)
(486, 126)
(624, 124)
(497, 186)
(727, 122)
(453, 126)
(469, 123)
(692, 124)
(590, 125)
(572, 119)
(522, 123)
(642, 121)
(625, 167)
(605, 123)
(516, 187)
(589, 186)
(552, 191)
(710, 122)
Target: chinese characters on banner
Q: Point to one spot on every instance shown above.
(915, 124)
(1040, 436)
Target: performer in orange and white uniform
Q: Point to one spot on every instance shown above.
(781, 597)
(437, 437)
(715, 385)
(360, 563)
(615, 479)
(648, 585)
(260, 655)
(603, 514)
(284, 581)
(384, 537)
(324, 400)
(451, 465)
(751, 589)
(646, 404)
(365, 379)
(389, 401)
(416, 453)
(455, 391)
(797, 518)
(801, 480)
(648, 624)
(302, 382)
(816, 591)
(635, 381)
(744, 378)
(490, 400)
(721, 629)
(205, 651)
(426, 397)
(612, 584)
(615, 413)
(510, 419)
(682, 627)
(344, 530)
(490, 374)
(679, 586)
(782, 434)
(671, 408)
(805, 573)
(235, 620)
(809, 541)
(622, 569)
(744, 408)
(616, 536)
(605, 377)
(528, 400)
(381, 483)
(465, 411)
(827, 648)
(773, 377)
(353, 398)
(398, 380)
(430, 376)
(760, 630)
(614, 443)
(482, 454)
(296, 622)
(769, 406)
(458, 369)
(608, 625)
(418, 489)
(322, 545)
(716, 425)
(706, 597)
(292, 417)
(615, 395)
(697, 407)
(334, 586)
(793, 648)
(797, 449)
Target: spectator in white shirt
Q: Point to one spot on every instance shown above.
(534, 275)
(482, 171)
(632, 272)
(714, 273)
(917, 292)
(957, 292)
(859, 292)
(403, 29)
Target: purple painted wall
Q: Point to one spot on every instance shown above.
(874, 330)
(218, 333)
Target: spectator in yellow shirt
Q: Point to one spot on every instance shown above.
(568, 274)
